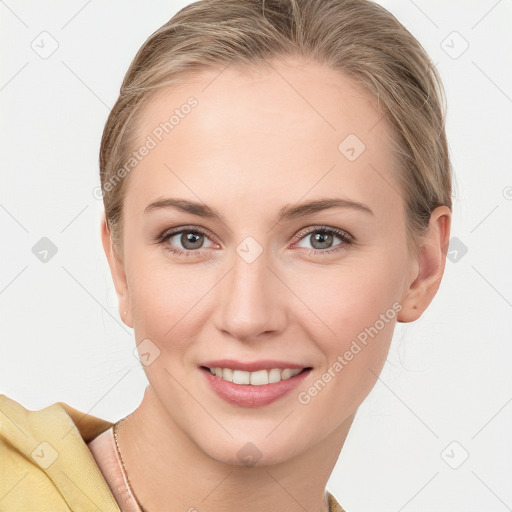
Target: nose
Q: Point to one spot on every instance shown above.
(251, 300)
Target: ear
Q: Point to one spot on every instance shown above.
(429, 267)
(116, 264)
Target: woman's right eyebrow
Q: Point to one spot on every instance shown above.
(287, 212)
(184, 205)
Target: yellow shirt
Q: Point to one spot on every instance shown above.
(46, 465)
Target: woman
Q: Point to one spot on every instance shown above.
(277, 193)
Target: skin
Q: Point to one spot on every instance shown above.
(254, 143)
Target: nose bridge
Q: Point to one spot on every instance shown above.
(250, 303)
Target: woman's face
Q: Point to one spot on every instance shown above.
(243, 272)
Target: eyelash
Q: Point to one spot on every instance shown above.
(346, 239)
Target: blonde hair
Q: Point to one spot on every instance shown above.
(357, 37)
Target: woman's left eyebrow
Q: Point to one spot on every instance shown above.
(303, 209)
(285, 213)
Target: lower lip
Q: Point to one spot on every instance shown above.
(246, 395)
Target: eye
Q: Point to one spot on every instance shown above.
(322, 239)
(191, 241)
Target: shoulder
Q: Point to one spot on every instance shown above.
(59, 414)
(334, 506)
(46, 461)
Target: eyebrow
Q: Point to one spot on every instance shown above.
(287, 212)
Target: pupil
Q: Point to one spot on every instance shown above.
(191, 238)
(322, 238)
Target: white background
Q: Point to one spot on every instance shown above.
(448, 375)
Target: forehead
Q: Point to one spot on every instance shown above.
(324, 101)
(296, 127)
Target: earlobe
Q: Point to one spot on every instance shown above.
(430, 263)
(118, 273)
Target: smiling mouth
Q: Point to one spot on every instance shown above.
(257, 378)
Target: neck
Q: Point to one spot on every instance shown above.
(168, 471)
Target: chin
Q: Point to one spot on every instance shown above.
(253, 451)
(249, 455)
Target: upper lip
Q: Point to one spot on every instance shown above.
(252, 366)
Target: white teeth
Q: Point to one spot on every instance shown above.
(274, 375)
(227, 374)
(258, 378)
(286, 374)
(239, 376)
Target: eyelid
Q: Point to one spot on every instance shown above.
(344, 235)
(300, 234)
(171, 232)
(180, 229)
(346, 238)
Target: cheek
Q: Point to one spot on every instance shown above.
(346, 299)
(334, 304)
(355, 310)
(360, 312)
(165, 297)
